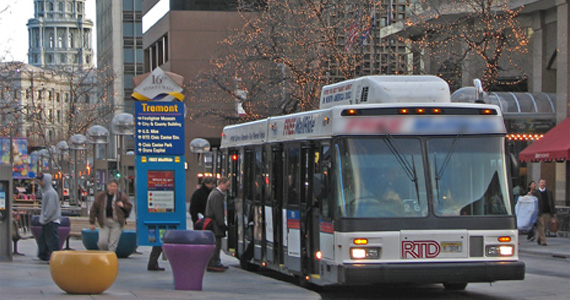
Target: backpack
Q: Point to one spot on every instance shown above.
(204, 224)
(127, 212)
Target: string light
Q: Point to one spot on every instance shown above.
(524, 136)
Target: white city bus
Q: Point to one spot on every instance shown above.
(388, 182)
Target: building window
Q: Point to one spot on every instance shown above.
(51, 41)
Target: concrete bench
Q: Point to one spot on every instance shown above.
(127, 242)
(84, 272)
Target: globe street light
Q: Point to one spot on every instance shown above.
(62, 149)
(98, 135)
(122, 125)
(77, 142)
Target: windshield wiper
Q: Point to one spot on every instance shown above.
(410, 169)
(439, 173)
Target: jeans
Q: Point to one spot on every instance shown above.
(48, 240)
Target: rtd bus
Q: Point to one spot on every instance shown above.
(387, 182)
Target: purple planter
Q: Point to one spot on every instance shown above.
(188, 253)
(63, 230)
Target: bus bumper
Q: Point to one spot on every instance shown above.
(359, 274)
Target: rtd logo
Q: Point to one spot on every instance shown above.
(420, 249)
(289, 128)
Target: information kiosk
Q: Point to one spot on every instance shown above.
(159, 148)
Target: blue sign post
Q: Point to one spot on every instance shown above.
(161, 186)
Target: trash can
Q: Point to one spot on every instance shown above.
(188, 252)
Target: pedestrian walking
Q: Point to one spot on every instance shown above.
(50, 215)
(546, 210)
(109, 210)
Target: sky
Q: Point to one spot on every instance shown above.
(14, 15)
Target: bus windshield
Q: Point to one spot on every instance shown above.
(468, 176)
(380, 177)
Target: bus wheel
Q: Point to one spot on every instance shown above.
(455, 286)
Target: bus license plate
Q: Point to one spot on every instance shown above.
(451, 247)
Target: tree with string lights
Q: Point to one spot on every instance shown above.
(279, 60)
(482, 37)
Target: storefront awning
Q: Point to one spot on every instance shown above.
(554, 146)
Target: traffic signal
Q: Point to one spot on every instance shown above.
(115, 173)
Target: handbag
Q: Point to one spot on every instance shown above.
(204, 224)
(554, 225)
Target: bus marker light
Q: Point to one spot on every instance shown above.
(486, 111)
(263, 264)
(436, 111)
(307, 278)
(404, 111)
(360, 241)
(234, 157)
(318, 255)
(352, 111)
(504, 239)
(420, 111)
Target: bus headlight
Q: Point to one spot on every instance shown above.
(364, 253)
(500, 250)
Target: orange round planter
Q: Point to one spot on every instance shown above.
(84, 272)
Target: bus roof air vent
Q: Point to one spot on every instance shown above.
(386, 89)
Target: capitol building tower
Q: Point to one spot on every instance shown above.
(59, 35)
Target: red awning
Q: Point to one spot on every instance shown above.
(554, 146)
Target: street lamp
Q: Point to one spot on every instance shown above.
(62, 149)
(43, 154)
(77, 142)
(98, 135)
(122, 125)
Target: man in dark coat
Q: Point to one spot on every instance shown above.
(546, 210)
(215, 211)
(200, 197)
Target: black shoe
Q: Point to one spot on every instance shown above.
(216, 269)
(157, 268)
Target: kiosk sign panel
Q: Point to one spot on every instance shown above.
(160, 193)
(159, 128)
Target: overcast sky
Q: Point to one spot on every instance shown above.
(14, 32)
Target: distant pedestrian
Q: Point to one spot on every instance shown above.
(200, 198)
(215, 210)
(531, 236)
(50, 215)
(109, 210)
(546, 210)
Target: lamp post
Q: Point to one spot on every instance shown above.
(77, 142)
(62, 148)
(98, 135)
(199, 146)
(122, 125)
(43, 154)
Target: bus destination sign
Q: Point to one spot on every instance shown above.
(159, 128)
